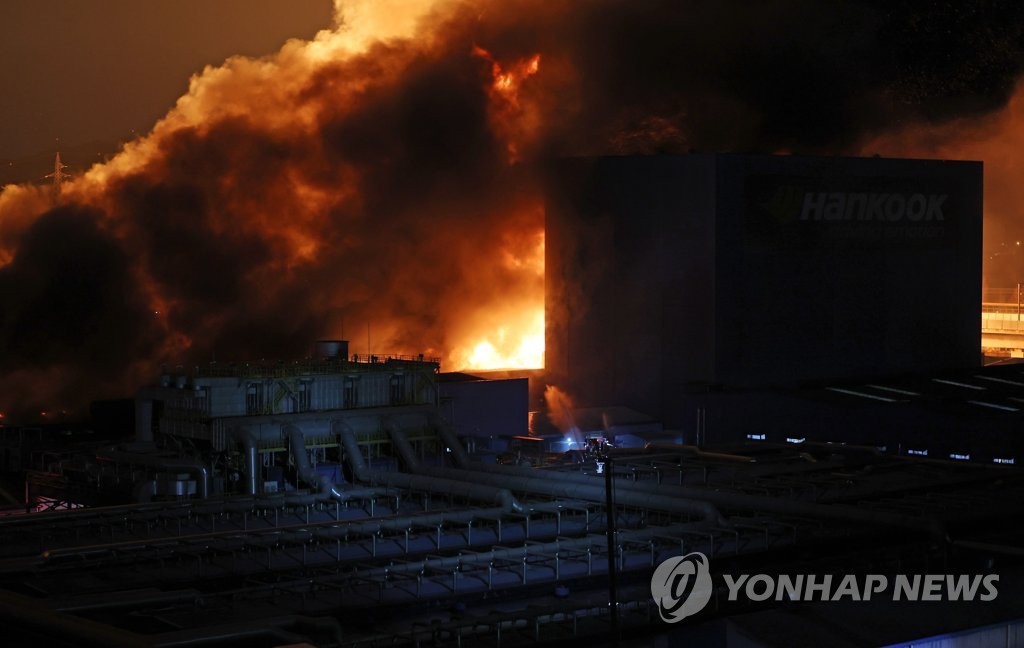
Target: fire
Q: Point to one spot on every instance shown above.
(516, 118)
(516, 345)
(509, 333)
(388, 176)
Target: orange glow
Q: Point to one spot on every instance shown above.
(19, 206)
(324, 191)
(509, 333)
(515, 117)
(519, 344)
(996, 139)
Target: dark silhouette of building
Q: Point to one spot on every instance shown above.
(670, 276)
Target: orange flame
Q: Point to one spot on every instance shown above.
(516, 119)
(510, 333)
(279, 201)
(377, 177)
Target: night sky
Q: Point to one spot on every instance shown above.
(100, 72)
(354, 183)
(105, 70)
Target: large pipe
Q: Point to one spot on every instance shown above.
(145, 491)
(695, 451)
(126, 599)
(248, 442)
(451, 441)
(463, 489)
(196, 467)
(402, 446)
(45, 622)
(552, 484)
(539, 484)
(705, 502)
(292, 629)
(307, 472)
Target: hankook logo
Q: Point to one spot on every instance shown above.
(878, 207)
(681, 586)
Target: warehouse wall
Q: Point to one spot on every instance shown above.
(670, 275)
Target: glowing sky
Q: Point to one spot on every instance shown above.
(104, 70)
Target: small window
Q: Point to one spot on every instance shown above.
(254, 398)
(397, 389)
(302, 396)
(351, 392)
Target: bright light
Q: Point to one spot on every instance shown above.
(511, 348)
(509, 332)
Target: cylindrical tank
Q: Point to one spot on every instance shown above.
(331, 349)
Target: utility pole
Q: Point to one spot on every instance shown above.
(613, 603)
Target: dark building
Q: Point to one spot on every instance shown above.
(671, 276)
(484, 409)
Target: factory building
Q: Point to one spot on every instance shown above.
(673, 276)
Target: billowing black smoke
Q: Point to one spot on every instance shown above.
(245, 234)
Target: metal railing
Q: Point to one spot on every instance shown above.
(306, 367)
(1002, 310)
(1011, 324)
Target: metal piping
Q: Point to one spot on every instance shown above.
(451, 441)
(540, 484)
(407, 521)
(463, 461)
(307, 472)
(290, 629)
(199, 469)
(401, 445)
(694, 450)
(440, 484)
(25, 611)
(145, 491)
(248, 442)
(518, 553)
(126, 599)
(704, 502)
(552, 484)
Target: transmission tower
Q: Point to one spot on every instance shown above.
(58, 175)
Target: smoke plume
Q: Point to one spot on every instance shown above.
(385, 177)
